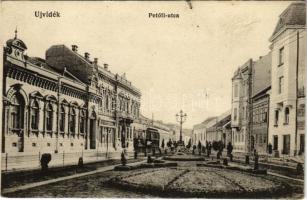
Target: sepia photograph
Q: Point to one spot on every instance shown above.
(153, 99)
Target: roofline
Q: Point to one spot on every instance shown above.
(283, 29)
(261, 91)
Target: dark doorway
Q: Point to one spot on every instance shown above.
(275, 142)
(286, 144)
(92, 134)
(302, 143)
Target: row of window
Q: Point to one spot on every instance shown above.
(126, 106)
(260, 138)
(260, 115)
(49, 117)
(239, 137)
(17, 116)
(72, 119)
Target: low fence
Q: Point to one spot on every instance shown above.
(27, 162)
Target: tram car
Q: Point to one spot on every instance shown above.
(148, 142)
(152, 139)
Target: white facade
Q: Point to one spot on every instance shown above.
(284, 101)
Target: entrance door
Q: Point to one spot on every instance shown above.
(302, 143)
(275, 142)
(92, 134)
(286, 144)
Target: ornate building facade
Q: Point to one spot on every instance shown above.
(65, 102)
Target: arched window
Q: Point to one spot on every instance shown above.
(49, 117)
(35, 115)
(82, 121)
(62, 119)
(16, 110)
(72, 121)
(287, 113)
(127, 106)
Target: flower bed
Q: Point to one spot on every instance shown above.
(248, 182)
(200, 182)
(203, 181)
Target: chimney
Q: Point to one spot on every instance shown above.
(95, 61)
(105, 66)
(74, 48)
(87, 55)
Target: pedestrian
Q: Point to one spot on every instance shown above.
(229, 149)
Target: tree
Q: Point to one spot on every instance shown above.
(162, 145)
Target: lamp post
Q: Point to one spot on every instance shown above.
(181, 118)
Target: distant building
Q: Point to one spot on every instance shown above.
(175, 129)
(199, 133)
(221, 129)
(261, 85)
(287, 101)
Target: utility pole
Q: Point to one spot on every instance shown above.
(296, 92)
(181, 118)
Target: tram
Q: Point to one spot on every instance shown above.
(149, 142)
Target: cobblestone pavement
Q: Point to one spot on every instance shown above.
(92, 186)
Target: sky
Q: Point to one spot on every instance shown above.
(183, 63)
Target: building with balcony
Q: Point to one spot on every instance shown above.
(240, 111)
(64, 102)
(287, 101)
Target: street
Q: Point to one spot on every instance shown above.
(96, 185)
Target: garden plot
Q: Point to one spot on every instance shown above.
(249, 182)
(203, 181)
(196, 182)
(157, 178)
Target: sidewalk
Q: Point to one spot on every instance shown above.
(32, 185)
(12, 163)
